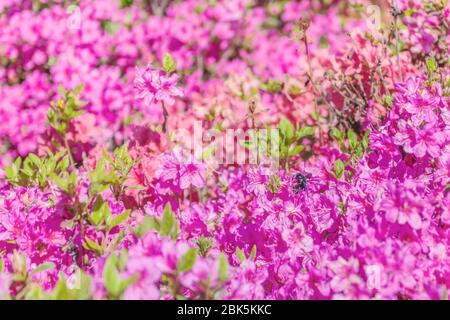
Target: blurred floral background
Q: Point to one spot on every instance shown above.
(100, 197)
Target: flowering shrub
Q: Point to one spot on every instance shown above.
(234, 149)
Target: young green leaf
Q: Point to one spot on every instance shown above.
(169, 64)
(36, 293)
(61, 290)
(272, 86)
(98, 210)
(338, 135)
(286, 128)
(93, 246)
(43, 267)
(352, 139)
(147, 224)
(122, 260)
(118, 219)
(339, 169)
(83, 292)
(34, 159)
(296, 150)
(223, 267)
(253, 253)
(240, 255)
(431, 65)
(125, 3)
(305, 131)
(175, 230)
(187, 261)
(168, 220)
(111, 277)
(365, 140)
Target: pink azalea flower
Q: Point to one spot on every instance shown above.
(400, 205)
(153, 85)
(182, 169)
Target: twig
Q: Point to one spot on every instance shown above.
(166, 119)
(396, 13)
(71, 160)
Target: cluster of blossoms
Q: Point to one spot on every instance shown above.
(101, 197)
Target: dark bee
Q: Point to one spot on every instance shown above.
(299, 183)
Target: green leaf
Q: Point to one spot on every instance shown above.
(72, 182)
(168, 220)
(359, 152)
(43, 267)
(339, 169)
(52, 61)
(388, 100)
(36, 293)
(34, 159)
(204, 245)
(137, 187)
(111, 277)
(315, 116)
(106, 211)
(147, 224)
(78, 89)
(83, 292)
(61, 90)
(175, 231)
(61, 291)
(128, 282)
(296, 150)
(295, 90)
(169, 64)
(274, 184)
(118, 219)
(352, 139)
(240, 255)
(110, 26)
(96, 188)
(365, 140)
(125, 3)
(92, 246)
(123, 260)
(272, 86)
(12, 172)
(338, 135)
(286, 128)
(253, 253)
(61, 183)
(431, 65)
(98, 210)
(223, 267)
(2, 265)
(187, 261)
(63, 164)
(305, 131)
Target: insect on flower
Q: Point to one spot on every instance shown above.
(300, 182)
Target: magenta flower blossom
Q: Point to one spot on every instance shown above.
(402, 206)
(153, 85)
(428, 140)
(181, 169)
(29, 224)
